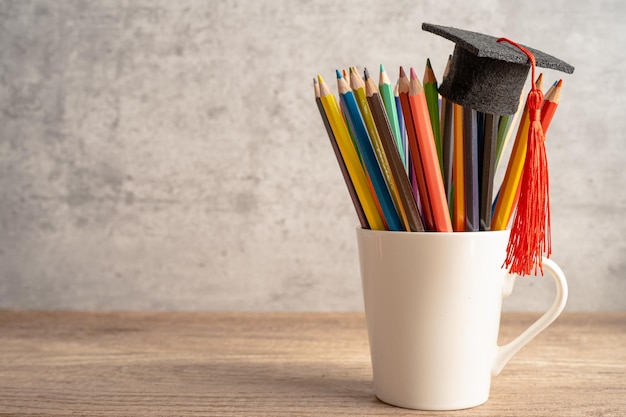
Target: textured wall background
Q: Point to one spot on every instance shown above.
(169, 155)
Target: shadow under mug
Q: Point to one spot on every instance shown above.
(432, 305)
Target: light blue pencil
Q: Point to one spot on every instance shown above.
(404, 146)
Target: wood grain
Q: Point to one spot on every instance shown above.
(283, 364)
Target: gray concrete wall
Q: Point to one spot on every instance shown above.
(169, 155)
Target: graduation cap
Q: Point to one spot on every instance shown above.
(487, 75)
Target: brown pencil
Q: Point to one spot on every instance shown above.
(395, 162)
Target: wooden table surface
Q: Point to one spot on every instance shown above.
(283, 364)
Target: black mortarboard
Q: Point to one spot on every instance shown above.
(487, 75)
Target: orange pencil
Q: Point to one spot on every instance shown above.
(428, 155)
(458, 214)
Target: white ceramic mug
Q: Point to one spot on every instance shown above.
(432, 304)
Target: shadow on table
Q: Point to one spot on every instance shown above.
(315, 385)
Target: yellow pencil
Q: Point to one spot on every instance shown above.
(514, 169)
(350, 157)
(509, 132)
(358, 87)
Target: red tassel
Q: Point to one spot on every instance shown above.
(530, 235)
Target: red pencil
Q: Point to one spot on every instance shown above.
(404, 87)
(550, 104)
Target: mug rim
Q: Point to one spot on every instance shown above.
(360, 229)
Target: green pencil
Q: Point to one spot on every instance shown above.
(386, 93)
(432, 101)
(503, 127)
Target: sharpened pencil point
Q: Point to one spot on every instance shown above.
(413, 74)
(366, 73)
(402, 73)
(320, 79)
(382, 68)
(352, 69)
(559, 83)
(339, 75)
(428, 63)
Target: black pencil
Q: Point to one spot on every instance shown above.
(490, 134)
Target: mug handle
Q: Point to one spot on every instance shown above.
(505, 353)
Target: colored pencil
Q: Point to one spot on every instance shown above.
(512, 177)
(342, 166)
(428, 155)
(349, 156)
(404, 89)
(490, 132)
(447, 141)
(404, 150)
(393, 156)
(432, 102)
(386, 93)
(550, 104)
(470, 165)
(350, 131)
(548, 109)
(505, 129)
(358, 88)
(367, 152)
(458, 214)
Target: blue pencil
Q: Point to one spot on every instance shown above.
(355, 119)
(404, 150)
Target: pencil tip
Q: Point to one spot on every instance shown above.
(320, 79)
(352, 70)
(338, 74)
(428, 63)
(413, 74)
(402, 73)
(366, 73)
(382, 68)
(314, 80)
(560, 83)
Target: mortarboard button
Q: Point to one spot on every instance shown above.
(487, 75)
